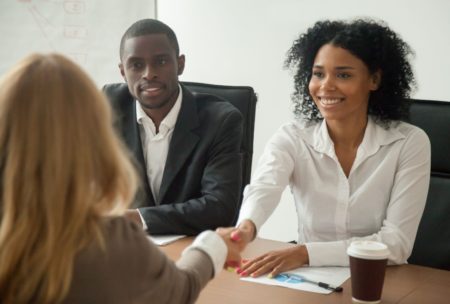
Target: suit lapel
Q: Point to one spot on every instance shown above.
(132, 139)
(183, 141)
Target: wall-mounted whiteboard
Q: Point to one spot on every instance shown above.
(88, 31)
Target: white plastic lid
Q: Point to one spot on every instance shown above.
(368, 250)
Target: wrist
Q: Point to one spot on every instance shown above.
(249, 228)
(303, 253)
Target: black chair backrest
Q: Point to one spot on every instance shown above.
(244, 99)
(432, 245)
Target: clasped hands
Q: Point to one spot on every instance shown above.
(237, 238)
(271, 263)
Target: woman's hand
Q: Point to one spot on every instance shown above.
(244, 233)
(233, 256)
(236, 240)
(275, 262)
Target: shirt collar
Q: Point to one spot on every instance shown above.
(321, 140)
(168, 123)
(375, 136)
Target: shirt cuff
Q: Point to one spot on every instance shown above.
(144, 224)
(211, 244)
(327, 253)
(256, 216)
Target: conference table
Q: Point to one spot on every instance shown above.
(406, 284)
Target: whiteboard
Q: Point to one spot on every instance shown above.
(88, 31)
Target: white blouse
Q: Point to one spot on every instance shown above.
(382, 199)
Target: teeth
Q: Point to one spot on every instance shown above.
(152, 89)
(327, 101)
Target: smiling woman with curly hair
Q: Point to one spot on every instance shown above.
(355, 170)
(376, 45)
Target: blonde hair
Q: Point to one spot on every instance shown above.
(62, 171)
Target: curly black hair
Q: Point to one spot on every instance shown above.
(376, 45)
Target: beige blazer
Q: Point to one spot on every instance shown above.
(134, 270)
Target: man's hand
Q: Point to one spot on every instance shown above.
(133, 215)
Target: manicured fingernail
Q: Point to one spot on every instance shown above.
(233, 263)
(235, 236)
(244, 273)
(270, 276)
(253, 275)
(244, 260)
(238, 270)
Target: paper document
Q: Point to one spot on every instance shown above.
(162, 240)
(292, 279)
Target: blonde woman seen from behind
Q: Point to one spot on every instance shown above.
(65, 182)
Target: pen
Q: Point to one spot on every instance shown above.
(324, 285)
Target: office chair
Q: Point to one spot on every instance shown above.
(244, 99)
(432, 245)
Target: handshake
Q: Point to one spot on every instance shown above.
(236, 239)
(271, 263)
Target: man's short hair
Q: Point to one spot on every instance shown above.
(147, 27)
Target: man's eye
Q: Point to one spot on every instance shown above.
(136, 65)
(162, 61)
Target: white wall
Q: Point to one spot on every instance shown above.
(244, 42)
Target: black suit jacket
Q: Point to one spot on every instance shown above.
(201, 182)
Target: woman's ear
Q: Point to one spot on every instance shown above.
(375, 80)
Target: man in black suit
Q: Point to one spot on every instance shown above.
(186, 148)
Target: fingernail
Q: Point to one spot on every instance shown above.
(244, 260)
(231, 269)
(270, 276)
(253, 275)
(244, 273)
(235, 236)
(238, 270)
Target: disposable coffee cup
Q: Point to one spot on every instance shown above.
(368, 261)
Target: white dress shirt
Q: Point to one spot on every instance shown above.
(155, 146)
(382, 199)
